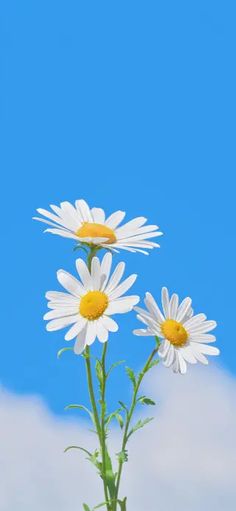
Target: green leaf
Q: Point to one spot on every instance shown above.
(140, 424)
(86, 508)
(122, 504)
(101, 505)
(152, 364)
(80, 247)
(123, 406)
(145, 400)
(119, 419)
(62, 350)
(115, 365)
(80, 407)
(122, 456)
(77, 447)
(99, 371)
(131, 375)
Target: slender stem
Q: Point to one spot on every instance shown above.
(130, 414)
(103, 412)
(100, 427)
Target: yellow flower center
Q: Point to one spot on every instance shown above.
(92, 230)
(93, 305)
(174, 332)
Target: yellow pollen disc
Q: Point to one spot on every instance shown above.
(92, 230)
(174, 332)
(93, 305)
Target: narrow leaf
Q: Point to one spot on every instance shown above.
(115, 365)
(145, 400)
(131, 375)
(77, 447)
(86, 508)
(62, 350)
(140, 424)
(80, 407)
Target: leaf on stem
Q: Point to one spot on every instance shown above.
(114, 365)
(122, 456)
(140, 424)
(123, 406)
(62, 350)
(81, 407)
(86, 508)
(131, 375)
(145, 400)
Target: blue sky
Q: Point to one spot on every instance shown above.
(130, 105)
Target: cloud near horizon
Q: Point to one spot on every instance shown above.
(185, 459)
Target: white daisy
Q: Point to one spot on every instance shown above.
(87, 225)
(185, 336)
(90, 302)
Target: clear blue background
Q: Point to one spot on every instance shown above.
(130, 105)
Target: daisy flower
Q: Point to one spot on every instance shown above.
(90, 302)
(185, 337)
(90, 226)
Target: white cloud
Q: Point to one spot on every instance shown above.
(185, 459)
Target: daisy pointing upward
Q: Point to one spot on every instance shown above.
(90, 226)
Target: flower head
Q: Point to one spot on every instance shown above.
(90, 226)
(185, 337)
(90, 302)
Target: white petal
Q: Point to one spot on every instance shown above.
(70, 283)
(51, 216)
(122, 305)
(169, 359)
(76, 329)
(70, 215)
(105, 269)
(164, 348)
(122, 288)
(183, 309)
(98, 215)
(91, 332)
(115, 219)
(142, 332)
(165, 301)
(187, 354)
(195, 320)
(102, 332)
(60, 312)
(80, 342)
(173, 307)
(95, 273)
(153, 307)
(199, 356)
(205, 349)
(182, 363)
(57, 296)
(109, 324)
(84, 274)
(58, 324)
(63, 233)
(84, 210)
(205, 338)
(133, 224)
(206, 326)
(115, 278)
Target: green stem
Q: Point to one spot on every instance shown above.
(130, 414)
(99, 427)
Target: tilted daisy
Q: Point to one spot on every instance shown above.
(90, 302)
(87, 225)
(185, 337)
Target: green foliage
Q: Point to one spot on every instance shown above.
(114, 365)
(123, 405)
(145, 401)
(81, 407)
(86, 508)
(131, 375)
(140, 424)
(153, 363)
(122, 456)
(62, 350)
